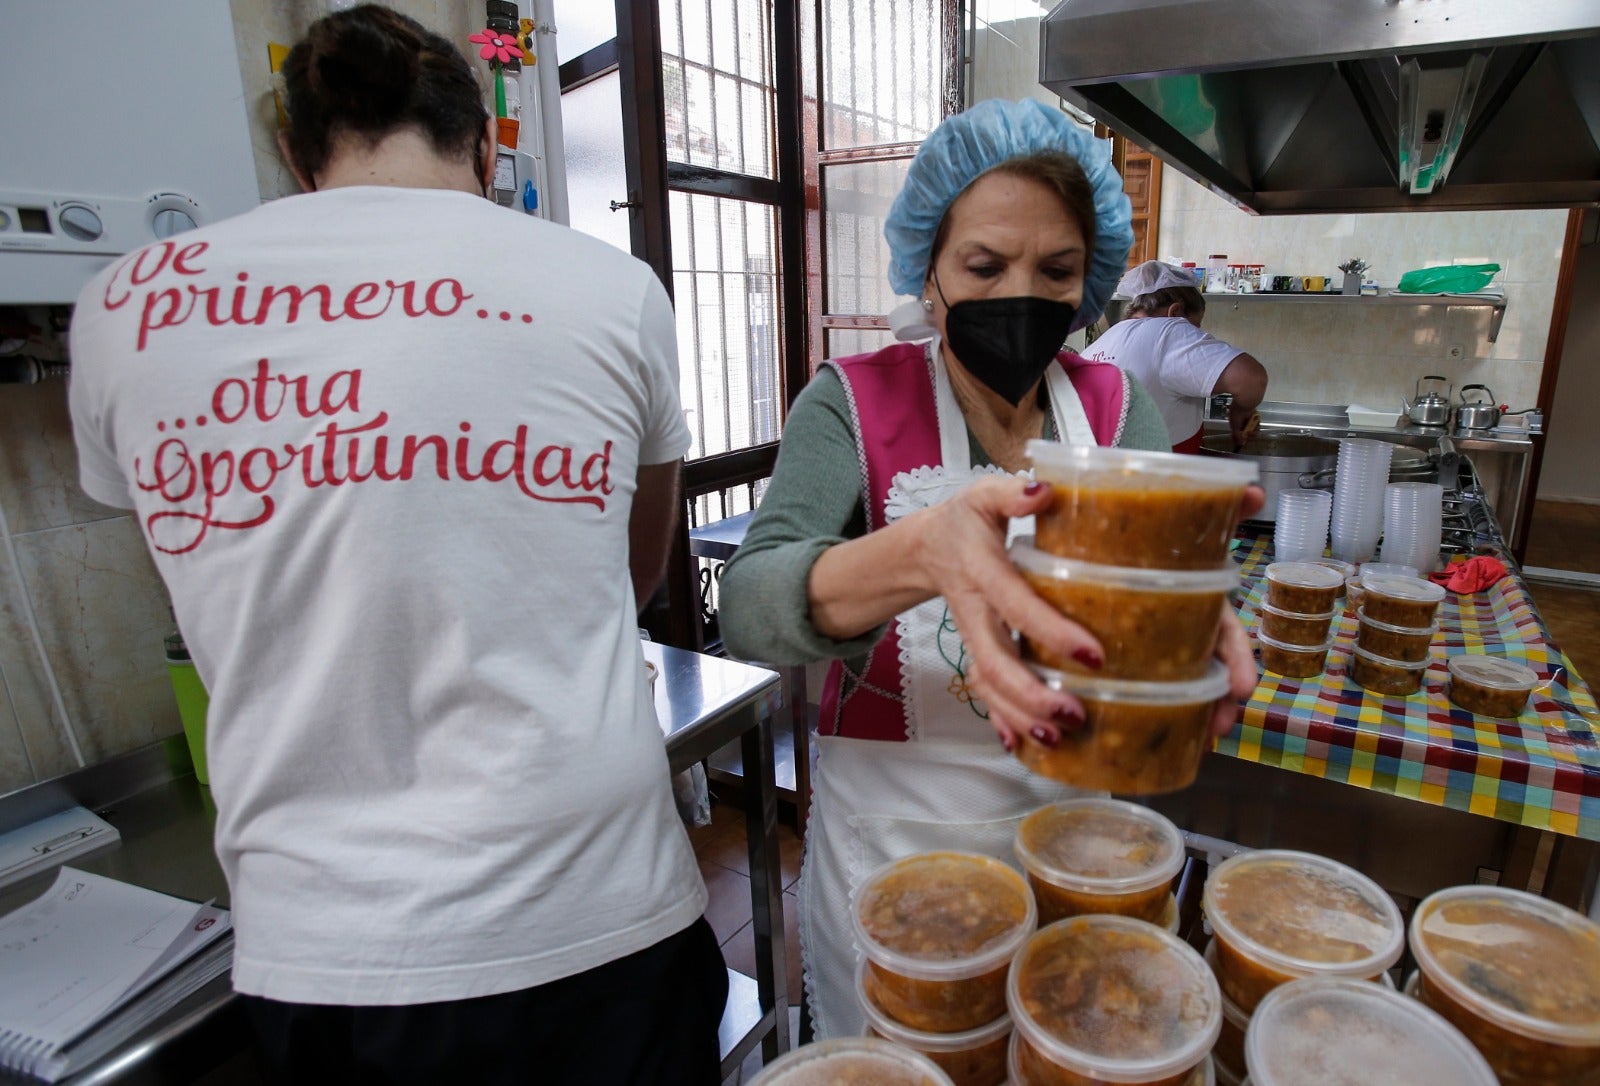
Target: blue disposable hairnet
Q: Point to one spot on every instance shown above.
(970, 144)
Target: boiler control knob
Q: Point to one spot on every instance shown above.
(80, 224)
(171, 221)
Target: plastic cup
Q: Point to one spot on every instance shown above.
(1307, 588)
(1123, 507)
(1350, 1033)
(1157, 625)
(1158, 1031)
(1087, 856)
(1280, 915)
(1519, 975)
(1407, 644)
(1489, 685)
(851, 1060)
(1294, 661)
(1361, 474)
(974, 1057)
(1402, 601)
(1138, 738)
(938, 930)
(1300, 532)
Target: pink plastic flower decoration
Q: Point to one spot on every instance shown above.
(497, 47)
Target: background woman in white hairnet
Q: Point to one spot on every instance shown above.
(880, 544)
(1159, 341)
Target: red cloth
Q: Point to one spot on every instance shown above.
(1473, 575)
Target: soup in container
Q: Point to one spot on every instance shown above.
(1400, 601)
(1109, 1000)
(1138, 738)
(1519, 975)
(851, 1061)
(1407, 644)
(1307, 588)
(1293, 661)
(973, 1057)
(938, 930)
(1292, 628)
(1158, 625)
(1280, 915)
(1489, 685)
(1341, 1032)
(1385, 675)
(1123, 507)
(1087, 856)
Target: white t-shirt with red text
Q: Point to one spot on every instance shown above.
(382, 443)
(1177, 363)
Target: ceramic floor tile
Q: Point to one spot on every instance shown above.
(728, 906)
(1564, 535)
(740, 950)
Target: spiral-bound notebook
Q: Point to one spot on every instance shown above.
(86, 965)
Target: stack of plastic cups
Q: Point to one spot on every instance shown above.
(1358, 489)
(1301, 531)
(1412, 531)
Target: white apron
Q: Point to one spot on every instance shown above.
(950, 786)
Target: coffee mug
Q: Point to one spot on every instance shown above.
(1316, 284)
(1283, 282)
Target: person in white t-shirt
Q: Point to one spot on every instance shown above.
(407, 463)
(1159, 341)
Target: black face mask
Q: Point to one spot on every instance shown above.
(1007, 343)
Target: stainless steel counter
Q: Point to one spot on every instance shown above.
(166, 821)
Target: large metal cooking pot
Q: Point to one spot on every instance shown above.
(1286, 462)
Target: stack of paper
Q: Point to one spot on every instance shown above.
(51, 842)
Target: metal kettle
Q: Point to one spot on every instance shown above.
(1480, 415)
(1432, 409)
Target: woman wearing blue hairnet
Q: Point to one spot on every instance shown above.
(880, 544)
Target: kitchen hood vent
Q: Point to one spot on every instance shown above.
(1296, 106)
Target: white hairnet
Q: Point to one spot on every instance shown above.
(970, 144)
(1152, 276)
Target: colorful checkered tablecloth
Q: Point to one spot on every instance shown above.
(1541, 770)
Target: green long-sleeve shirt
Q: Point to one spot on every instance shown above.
(814, 501)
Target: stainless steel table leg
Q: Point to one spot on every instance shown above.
(766, 886)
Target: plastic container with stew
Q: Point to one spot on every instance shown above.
(1341, 1032)
(973, 1057)
(1124, 507)
(1229, 1049)
(1489, 685)
(1292, 628)
(1400, 601)
(1158, 625)
(1383, 675)
(1086, 856)
(1519, 975)
(1110, 1000)
(1404, 643)
(851, 1061)
(1138, 738)
(1294, 661)
(1307, 588)
(1280, 915)
(938, 930)
(1341, 567)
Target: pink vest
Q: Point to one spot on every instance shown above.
(893, 410)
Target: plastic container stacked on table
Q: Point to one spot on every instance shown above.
(1413, 524)
(1300, 531)
(938, 931)
(1295, 631)
(851, 1061)
(1397, 622)
(1089, 856)
(1358, 488)
(1134, 547)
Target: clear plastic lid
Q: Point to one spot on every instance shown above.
(852, 1061)
(1055, 460)
(1341, 1032)
(942, 915)
(1165, 1019)
(1393, 569)
(920, 1040)
(1305, 574)
(1206, 1073)
(1525, 963)
(1032, 560)
(1414, 589)
(1493, 672)
(1384, 661)
(1366, 620)
(1285, 647)
(1301, 914)
(1343, 568)
(1209, 687)
(1281, 613)
(1100, 846)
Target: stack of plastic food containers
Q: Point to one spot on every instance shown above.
(1280, 916)
(1346, 1033)
(1398, 618)
(938, 931)
(1413, 524)
(1111, 1001)
(1087, 856)
(1358, 488)
(1134, 547)
(851, 1060)
(1519, 975)
(1296, 618)
(1300, 531)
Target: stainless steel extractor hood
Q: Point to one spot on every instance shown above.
(1294, 106)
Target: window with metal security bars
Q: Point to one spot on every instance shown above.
(856, 198)
(882, 71)
(717, 76)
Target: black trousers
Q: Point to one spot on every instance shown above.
(650, 1018)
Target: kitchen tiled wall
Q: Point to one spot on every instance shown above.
(1350, 353)
(100, 607)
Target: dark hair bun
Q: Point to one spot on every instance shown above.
(364, 71)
